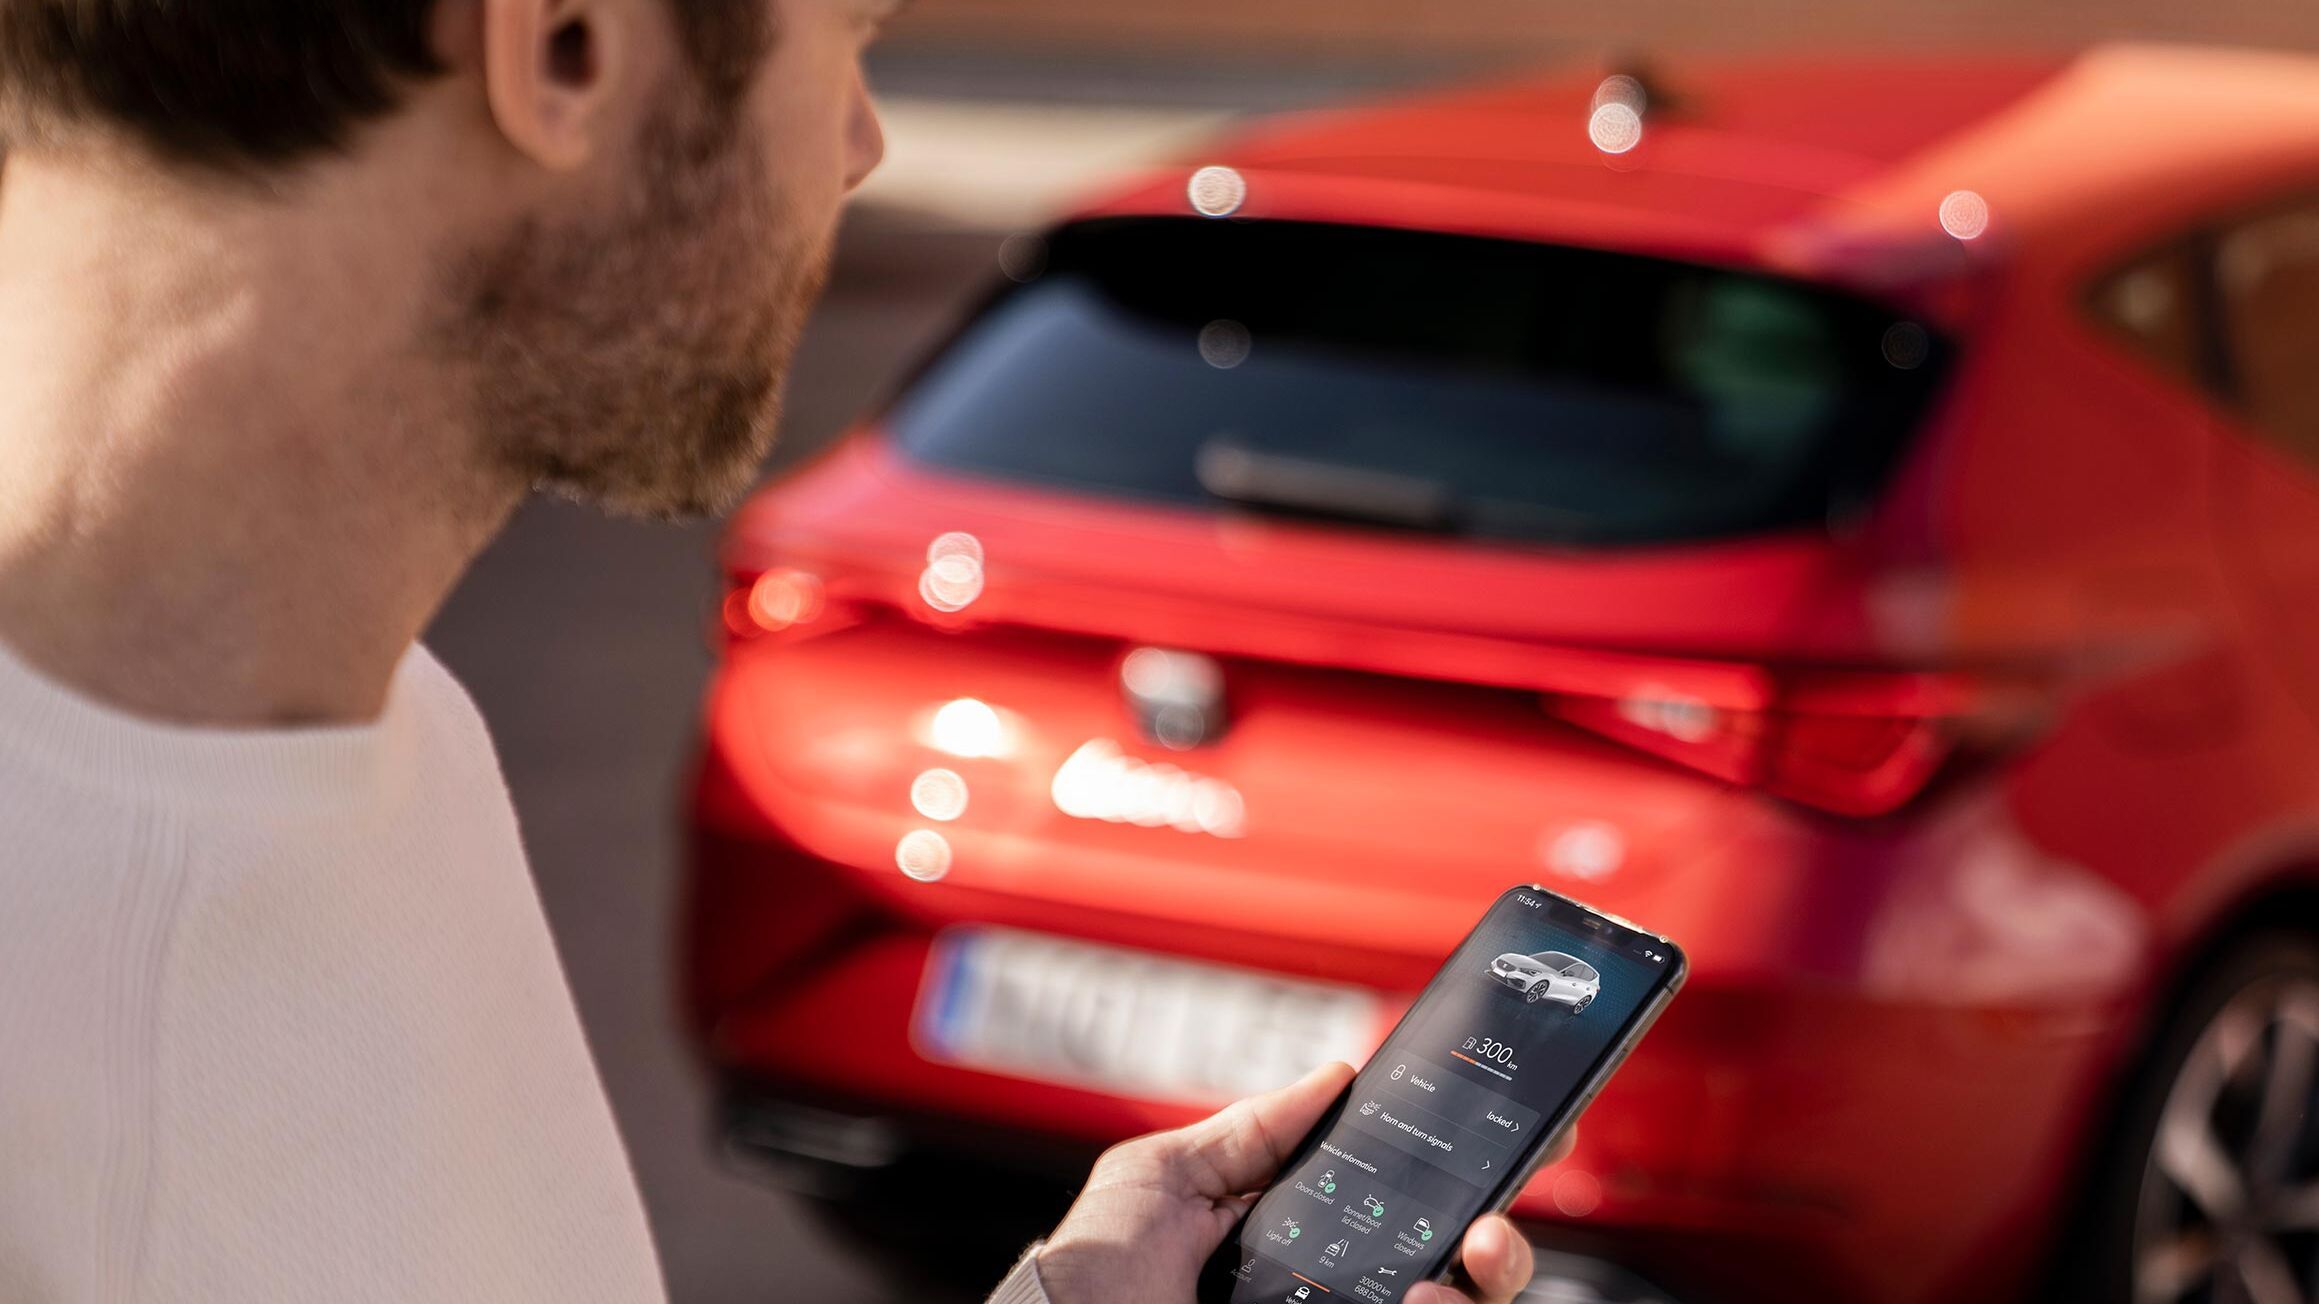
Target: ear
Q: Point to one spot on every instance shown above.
(552, 70)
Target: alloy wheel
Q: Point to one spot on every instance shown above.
(2229, 1205)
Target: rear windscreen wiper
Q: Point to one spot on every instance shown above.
(1309, 486)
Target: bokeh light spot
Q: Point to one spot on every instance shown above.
(939, 794)
(969, 728)
(1589, 851)
(1614, 128)
(951, 584)
(1964, 214)
(1022, 257)
(953, 577)
(1622, 88)
(923, 855)
(1224, 344)
(782, 598)
(1218, 809)
(1577, 1192)
(1217, 191)
(1906, 345)
(957, 543)
(1614, 118)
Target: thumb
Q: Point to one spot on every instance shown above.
(1243, 1146)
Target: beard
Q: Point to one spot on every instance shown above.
(636, 362)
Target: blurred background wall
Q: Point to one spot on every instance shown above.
(1499, 28)
(999, 110)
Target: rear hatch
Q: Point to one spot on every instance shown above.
(1371, 462)
(1470, 539)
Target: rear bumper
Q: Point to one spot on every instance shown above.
(1873, 1089)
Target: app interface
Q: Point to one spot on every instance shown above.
(1489, 1057)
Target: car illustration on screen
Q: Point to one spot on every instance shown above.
(1549, 976)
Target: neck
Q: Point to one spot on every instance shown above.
(233, 489)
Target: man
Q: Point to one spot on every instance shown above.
(298, 299)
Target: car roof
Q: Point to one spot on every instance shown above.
(1797, 162)
(1562, 960)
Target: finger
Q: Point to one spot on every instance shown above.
(1497, 1259)
(1241, 1148)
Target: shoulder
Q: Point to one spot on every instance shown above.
(446, 745)
(429, 686)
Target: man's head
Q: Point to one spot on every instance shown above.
(628, 204)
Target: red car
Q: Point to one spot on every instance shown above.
(1859, 518)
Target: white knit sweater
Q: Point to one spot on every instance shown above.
(280, 1019)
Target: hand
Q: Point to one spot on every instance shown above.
(1155, 1208)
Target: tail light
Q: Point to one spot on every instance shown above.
(822, 596)
(1855, 743)
(786, 602)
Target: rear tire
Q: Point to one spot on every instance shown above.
(2211, 1181)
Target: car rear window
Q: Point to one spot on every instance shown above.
(1421, 381)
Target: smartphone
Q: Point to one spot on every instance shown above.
(1495, 1060)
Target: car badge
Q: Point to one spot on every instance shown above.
(1177, 698)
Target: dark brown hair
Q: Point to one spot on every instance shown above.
(234, 84)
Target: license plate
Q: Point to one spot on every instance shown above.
(1130, 1022)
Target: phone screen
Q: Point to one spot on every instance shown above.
(1442, 1124)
